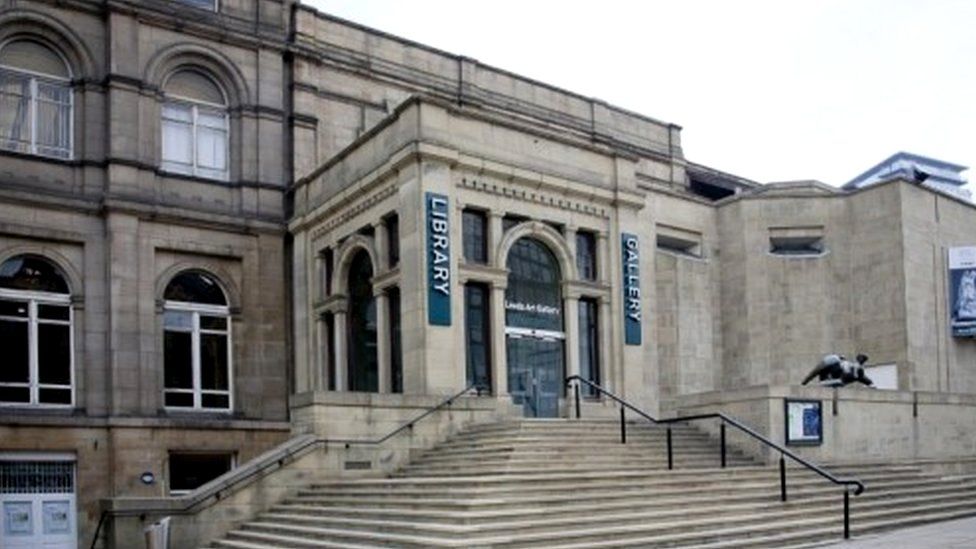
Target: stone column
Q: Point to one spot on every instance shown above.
(571, 244)
(571, 310)
(499, 356)
(495, 230)
(602, 258)
(382, 248)
(607, 373)
(320, 379)
(382, 340)
(341, 356)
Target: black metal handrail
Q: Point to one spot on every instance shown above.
(784, 452)
(477, 386)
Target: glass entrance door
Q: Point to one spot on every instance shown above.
(535, 371)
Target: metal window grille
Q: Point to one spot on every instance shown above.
(37, 477)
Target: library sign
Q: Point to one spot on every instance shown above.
(438, 260)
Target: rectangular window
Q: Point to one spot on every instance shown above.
(196, 357)
(35, 115)
(796, 241)
(209, 5)
(36, 342)
(195, 140)
(396, 347)
(586, 255)
(679, 241)
(330, 361)
(327, 270)
(589, 346)
(393, 240)
(475, 234)
(191, 470)
(477, 334)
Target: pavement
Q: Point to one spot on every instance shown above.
(955, 534)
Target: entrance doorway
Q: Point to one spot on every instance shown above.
(534, 334)
(37, 503)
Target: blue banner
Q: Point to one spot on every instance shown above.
(438, 260)
(632, 291)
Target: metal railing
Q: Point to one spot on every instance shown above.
(305, 443)
(725, 420)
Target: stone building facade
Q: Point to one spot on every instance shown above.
(93, 192)
(225, 224)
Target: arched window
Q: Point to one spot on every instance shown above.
(195, 126)
(35, 334)
(196, 344)
(363, 362)
(35, 100)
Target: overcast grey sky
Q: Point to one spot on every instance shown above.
(770, 90)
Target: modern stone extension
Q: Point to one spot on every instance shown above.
(256, 231)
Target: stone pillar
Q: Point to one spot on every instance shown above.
(320, 379)
(571, 244)
(382, 340)
(602, 259)
(341, 357)
(571, 310)
(382, 248)
(605, 341)
(499, 356)
(495, 230)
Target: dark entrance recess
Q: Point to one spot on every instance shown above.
(363, 362)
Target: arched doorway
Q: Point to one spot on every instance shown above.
(534, 328)
(361, 337)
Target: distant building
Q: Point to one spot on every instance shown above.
(935, 174)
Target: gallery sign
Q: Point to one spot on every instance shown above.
(632, 290)
(438, 260)
(962, 291)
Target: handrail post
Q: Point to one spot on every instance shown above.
(722, 439)
(782, 478)
(623, 425)
(847, 514)
(576, 390)
(670, 455)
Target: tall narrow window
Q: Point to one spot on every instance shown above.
(196, 344)
(396, 345)
(586, 255)
(330, 356)
(475, 235)
(589, 350)
(35, 334)
(392, 224)
(35, 100)
(361, 326)
(477, 334)
(196, 126)
(327, 270)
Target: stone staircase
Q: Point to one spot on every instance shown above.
(572, 484)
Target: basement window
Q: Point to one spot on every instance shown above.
(679, 241)
(191, 470)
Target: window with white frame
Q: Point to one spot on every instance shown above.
(35, 334)
(195, 126)
(197, 366)
(35, 100)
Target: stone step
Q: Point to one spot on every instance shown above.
(530, 523)
(572, 484)
(466, 513)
